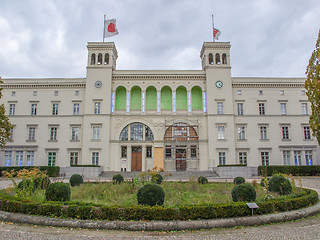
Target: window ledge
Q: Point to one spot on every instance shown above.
(222, 140)
(30, 140)
(74, 140)
(242, 140)
(286, 140)
(95, 140)
(52, 140)
(264, 140)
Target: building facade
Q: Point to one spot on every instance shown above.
(186, 120)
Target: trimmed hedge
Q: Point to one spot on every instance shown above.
(151, 194)
(76, 180)
(294, 170)
(239, 180)
(52, 171)
(202, 180)
(79, 210)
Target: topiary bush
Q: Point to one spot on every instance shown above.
(157, 178)
(202, 180)
(151, 194)
(280, 184)
(76, 180)
(117, 179)
(239, 180)
(244, 192)
(58, 191)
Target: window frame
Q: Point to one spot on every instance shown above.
(55, 109)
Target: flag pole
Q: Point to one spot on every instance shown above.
(213, 40)
(104, 27)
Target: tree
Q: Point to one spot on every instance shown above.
(312, 85)
(5, 125)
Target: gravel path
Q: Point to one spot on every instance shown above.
(308, 228)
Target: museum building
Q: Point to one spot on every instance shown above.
(178, 120)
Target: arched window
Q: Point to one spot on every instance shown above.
(196, 98)
(100, 58)
(138, 132)
(181, 97)
(135, 103)
(210, 58)
(224, 59)
(151, 98)
(106, 58)
(166, 98)
(218, 58)
(121, 98)
(93, 59)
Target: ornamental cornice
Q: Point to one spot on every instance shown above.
(268, 85)
(159, 77)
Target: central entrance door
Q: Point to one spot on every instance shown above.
(181, 158)
(136, 159)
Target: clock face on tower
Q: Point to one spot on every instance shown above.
(219, 84)
(98, 84)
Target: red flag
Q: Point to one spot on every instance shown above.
(216, 33)
(110, 28)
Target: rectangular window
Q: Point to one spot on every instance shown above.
(19, 158)
(304, 108)
(263, 132)
(123, 151)
(308, 155)
(96, 132)
(307, 133)
(95, 158)
(221, 134)
(241, 132)
(53, 133)
(261, 109)
(74, 157)
(286, 158)
(285, 132)
(76, 93)
(219, 107)
(8, 158)
(76, 108)
(283, 107)
(12, 109)
(193, 151)
(168, 152)
(56, 93)
(222, 158)
(75, 133)
(35, 93)
(30, 158)
(281, 92)
(240, 108)
(136, 131)
(13, 93)
(260, 92)
(243, 158)
(297, 158)
(55, 107)
(97, 108)
(52, 158)
(149, 152)
(34, 109)
(239, 92)
(265, 158)
(32, 134)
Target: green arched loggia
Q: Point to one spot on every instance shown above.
(196, 98)
(135, 103)
(151, 98)
(121, 98)
(166, 98)
(181, 98)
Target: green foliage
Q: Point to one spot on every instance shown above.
(58, 191)
(265, 182)
(202, 180)
(157, 178)
(52, 171)
(280, 184)
(239, 180)
(244, 192)
(151, 194)
(76, 180)
(117, 179)
(41, 183)
(5, 125)
(312, 84)
(293, 170)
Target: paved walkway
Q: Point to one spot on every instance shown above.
(308, 228)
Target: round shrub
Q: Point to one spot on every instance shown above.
(244, 192)
(151, 194)
(202, 180)
(157, 178)
(58, 191)
(280, 184)
(239, 180)
(117, 179)
(76, 180)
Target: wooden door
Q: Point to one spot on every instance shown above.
(181, 162)
(136, 159)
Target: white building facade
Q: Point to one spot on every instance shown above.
(186, 120)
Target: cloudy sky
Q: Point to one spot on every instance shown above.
(271, 38)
